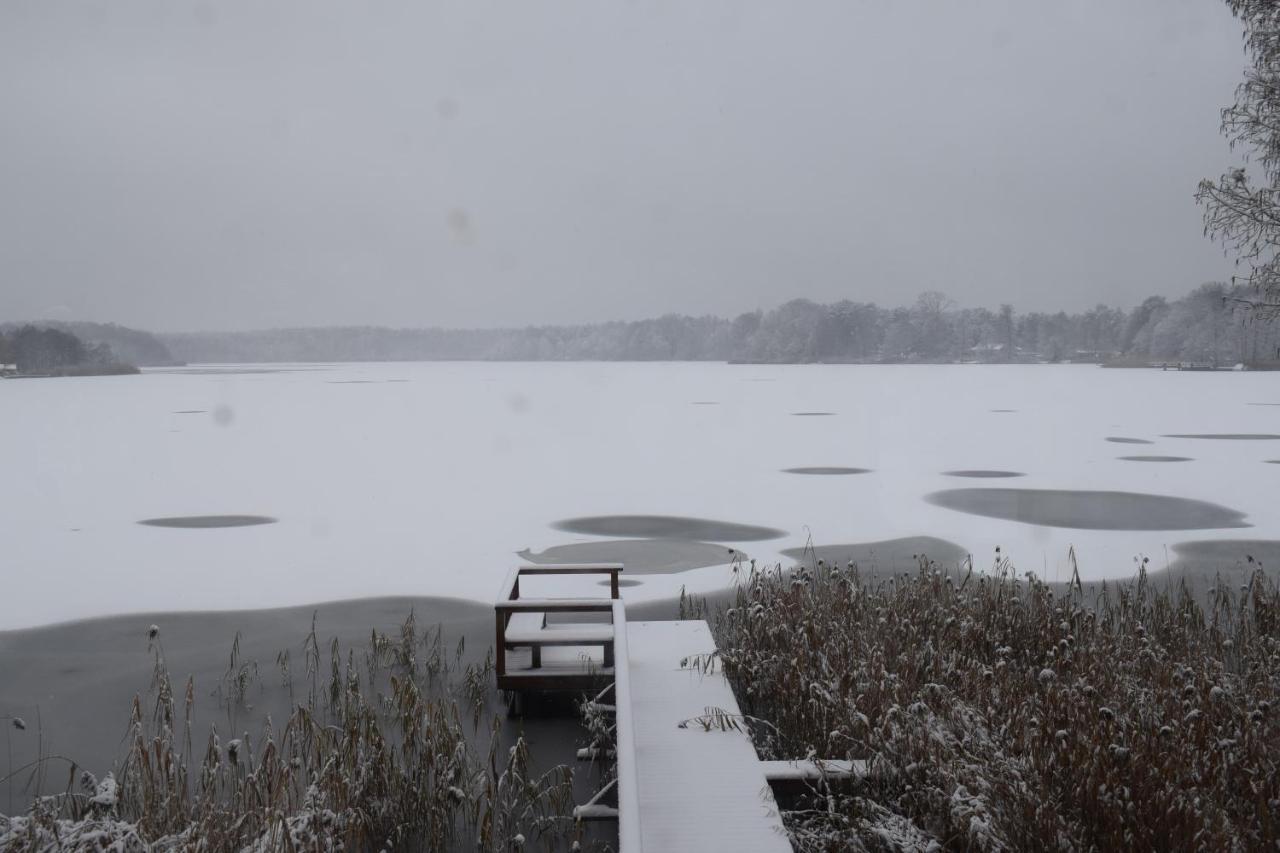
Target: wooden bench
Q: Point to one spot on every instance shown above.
(521, 625)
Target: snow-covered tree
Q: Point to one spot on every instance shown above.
(1242, 207)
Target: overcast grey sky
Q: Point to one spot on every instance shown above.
(226, 165)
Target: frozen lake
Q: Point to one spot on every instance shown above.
(266, 486)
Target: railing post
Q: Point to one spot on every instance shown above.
(500, 640)
(613, 583)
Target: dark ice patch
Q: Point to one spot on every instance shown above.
(622, 582)
(1087, 510)
(901, 553)
(208, 521)
(667, 527)
(1225, 552)
(640, 556)
(1228, 436)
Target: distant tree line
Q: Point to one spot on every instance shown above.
(1207, 326)
(101, 344)
(130, 346)
(46, 350)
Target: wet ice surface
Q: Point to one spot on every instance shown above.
(1090, 510)
(208, 521)
(1228, 436)
(1230, 552)
(431, 486)
(667, 527)
(622, 582)
(640, 556)
(887, 556)
(1203, 564)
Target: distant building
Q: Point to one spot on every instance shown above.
(1090, 356)
(989, 352)
(8, 370)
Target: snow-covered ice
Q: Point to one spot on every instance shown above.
(429, 486)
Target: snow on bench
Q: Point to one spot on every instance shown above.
(524, 630)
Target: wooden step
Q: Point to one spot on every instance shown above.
(581, 634)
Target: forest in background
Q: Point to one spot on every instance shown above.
(45, 351)
(1210, 326)
(1207, 326)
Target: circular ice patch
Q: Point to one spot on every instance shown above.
(1265, 551)
(622, 582)
(889, 553)
(640, 556)
(981, 473)
(1228, 436)
(826, 470)
(208, 521)
(1089, 510)
(1155, 458)
(667, 527)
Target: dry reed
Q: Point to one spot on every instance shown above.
(998, 714)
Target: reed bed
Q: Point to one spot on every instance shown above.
(374, 755)
(998, 713)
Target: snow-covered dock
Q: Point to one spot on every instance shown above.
(688, 777)
(700, 785)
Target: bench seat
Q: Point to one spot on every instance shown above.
(585, 634)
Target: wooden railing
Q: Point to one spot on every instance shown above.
(511, 589)
(534, 635)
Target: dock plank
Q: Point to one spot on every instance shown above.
(697, 790)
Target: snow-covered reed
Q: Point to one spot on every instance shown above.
(1003, 714)
(376, 754)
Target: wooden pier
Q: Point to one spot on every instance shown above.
(687, 774)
